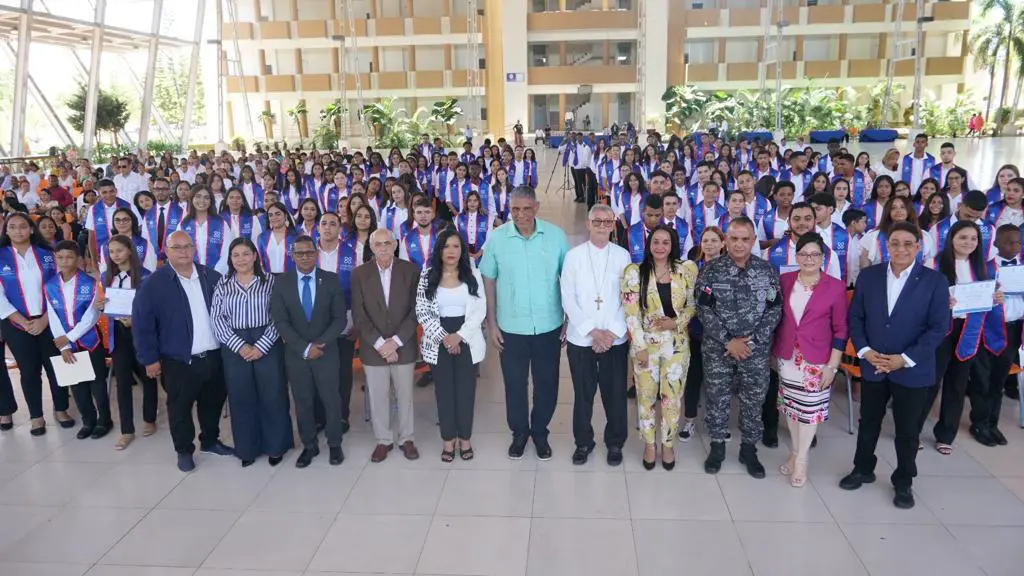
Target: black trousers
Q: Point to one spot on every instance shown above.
(589, 187)
(579, 177)
(8, 404)
(455, 386)
(199, 383)
(694, 380)
(346, 348)
(953, 375)
(126, 368)
(590, 372)
(92, 397)
(907, 405)
(986, 392)
(523, 356)
(770, 408)
(261, 421)
(33, 353)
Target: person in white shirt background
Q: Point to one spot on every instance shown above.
(597, 349)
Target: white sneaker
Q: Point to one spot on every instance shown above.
(686, 432)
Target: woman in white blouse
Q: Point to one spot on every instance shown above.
(208, 231)
(874, 244)
(451, 307)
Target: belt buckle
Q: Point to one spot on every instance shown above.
(201, 355)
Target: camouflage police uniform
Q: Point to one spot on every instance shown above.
(737, 302)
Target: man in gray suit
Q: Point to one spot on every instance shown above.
(308, 309)
(384, 315)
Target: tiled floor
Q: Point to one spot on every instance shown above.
(70, 507)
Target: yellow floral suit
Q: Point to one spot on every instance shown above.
(668, 351)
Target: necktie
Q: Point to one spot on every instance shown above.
(307, 297)
(161, 228)
(1008, 262)
(120, 280)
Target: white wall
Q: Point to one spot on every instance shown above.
(282, 10)
(655, 57)
(393, 60)
(429, 58)
(389, 9)
(702, 51)
(315, 9)
(317, 60)
(818, 48)
(860, 46)
(741, 50)
(284, 61)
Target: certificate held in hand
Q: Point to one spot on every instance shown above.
(119, 302)
(973, 297)
(1011, 279)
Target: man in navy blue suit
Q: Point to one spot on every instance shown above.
(898, 317)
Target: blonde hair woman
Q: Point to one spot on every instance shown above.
(658, 298)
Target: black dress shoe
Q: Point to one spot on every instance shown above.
(306, 458)
(425, 380)
(631, 392)
(997, 435)
(247, 463)
(337, 456)
(1013, 393)
(713, 463)
(904, 498)
(40, 431)
(614, 456)
(770, 441)
(345, 426)
(748, 457)
(579, 457)
(516, 448)
(186, 463)
(543, 449)
(84, 432)
(982, 435)
(855, 480)
(69, 423)
(100, 431)
(275, 460)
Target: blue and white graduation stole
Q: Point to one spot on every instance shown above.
(264, 240)
(315, 189)
(805, 179)
(873, 217)
(441, 183)
(99, 219)
(292, 204)
(10, 276)
(699, 222)
(346, 255)
(501, 204)
(693, 194)
(84, 289)
(328, 198)
(387, 216)
(825, 164)
(758, 174)
(857, 197)
(457, 193)
(778, 257)
(682, 231)
(606, 170)
(172, 219)
(990, 326)
(426, 150)
(419, 254)
(528, 173)
(245, 223)
(908, 167)
(215, 229)
(994, 194)
(626, 201)
(841, 246)
(637, 236)
(138, 242)
(467, 158)
(423, 181)
(994, 211)
(253, 193)
(761, 207)
(480, 225)
(942, 228)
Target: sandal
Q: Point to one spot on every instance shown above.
(944, 449)
(124, 441)
(787, 467)
(448, 456)
(799, 475)
(466, 453)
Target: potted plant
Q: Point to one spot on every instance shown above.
(268, 123)
(238, 143)
(332, 113)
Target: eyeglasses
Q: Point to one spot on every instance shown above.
(809, 255)
(602, 222)
(179, 246)
(908, 245)
(122, 220)
(303, 253)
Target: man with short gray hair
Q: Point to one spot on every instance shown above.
(521, 266)
(596, 334)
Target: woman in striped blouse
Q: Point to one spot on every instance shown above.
(253, 362)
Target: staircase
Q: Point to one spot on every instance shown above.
(580, 59)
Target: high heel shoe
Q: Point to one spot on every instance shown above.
(787, 467)
(69, 423)
(4, 426)
(668, 466)
(649, 464)
(799, 478)
(38, 427)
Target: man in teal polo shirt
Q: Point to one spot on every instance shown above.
(521, 266)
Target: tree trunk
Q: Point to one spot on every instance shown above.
(1006, 69)
(991, 87)
(1016, 98)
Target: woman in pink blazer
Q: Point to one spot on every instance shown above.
(809, 344)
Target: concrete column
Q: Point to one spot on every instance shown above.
(514, 59)
(256, 11)
(604, 6)
(408, 9)
(606, 106)
(21, 80)
(147, 91)
(606, 57)
(494, 75)
(446, 8)
(410, 58)
(214, 72)
(655, 59)
(561, 54)
(298, 61)
(561, 110)
(373, 8)
(93, 93)
(561, 5)
(193, 72)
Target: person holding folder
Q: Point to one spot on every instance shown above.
(125, 272)
(73, 312)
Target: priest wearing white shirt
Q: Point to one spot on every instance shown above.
(596, 334)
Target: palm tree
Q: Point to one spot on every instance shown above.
(446, 112)
(1000, 40)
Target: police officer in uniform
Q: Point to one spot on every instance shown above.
(739, 304)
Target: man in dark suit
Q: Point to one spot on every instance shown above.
(898, 318)
(173, 336)
(384, 315)
(308, 308)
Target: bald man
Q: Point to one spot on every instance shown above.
(173, 337)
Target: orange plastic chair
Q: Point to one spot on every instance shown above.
(851, 371)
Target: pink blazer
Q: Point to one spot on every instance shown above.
(822, 327)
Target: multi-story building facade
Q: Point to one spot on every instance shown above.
(539, 59)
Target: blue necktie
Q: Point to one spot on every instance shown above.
(307, 298)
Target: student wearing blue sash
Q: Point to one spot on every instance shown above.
(962, 262)
(253, 190)
(501, 195)
(844, 169)
(316, 183)
(473, 225)
(971, 209)
(308, 219)
(98, 220)
(1009, 210)
(636, 237)
(397, 209)
(275, 242)
(238, 216)
(341, 257)
(25, 266)
(917, 165)
(208, 231)
(799, 175)
(125, 271)
(522, 172)
(163, 217)
(755, 205)
(708, 212)
(467, 157)
(1005, 173)
(986, 389)
(836, 238)
(776, 221)
(764, 166)
(734, 208)
(126, 224)
(671, 218)
(293, 192)
(458, 187)
(418, 244)
(73, 313)
(327, 199)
